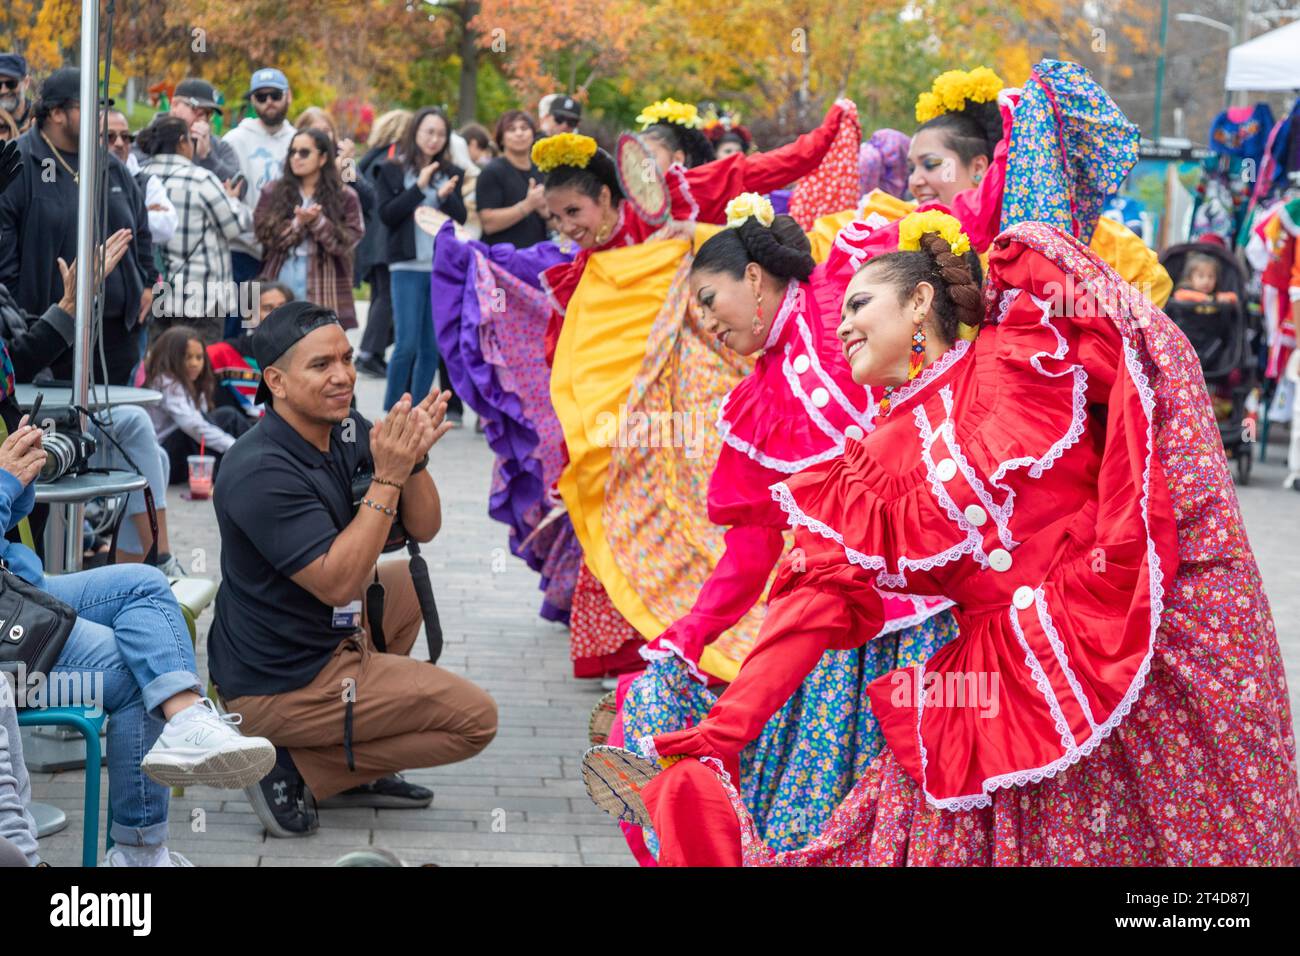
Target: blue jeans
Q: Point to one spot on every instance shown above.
(130, 636)
(414, 361)
(134, 431)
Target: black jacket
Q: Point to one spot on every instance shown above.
(38, 225)
(397, 205)
(372, 248)
(34, 345)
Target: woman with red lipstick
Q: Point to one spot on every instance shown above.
(799, 406)
(587, 206)
(1060, 479)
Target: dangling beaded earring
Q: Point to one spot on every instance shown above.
(918, 353)
(757, 325)
(914, 365)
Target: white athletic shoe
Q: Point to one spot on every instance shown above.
(201, 745)
(144, 856)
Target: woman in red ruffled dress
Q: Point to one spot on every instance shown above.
(1116, 695)
(588, 205)
(798, 407)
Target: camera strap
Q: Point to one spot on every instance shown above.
(375, 612)
(149, 506)
(428, 607)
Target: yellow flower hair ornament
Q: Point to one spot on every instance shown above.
(917, 224)
(748, 205)
(951, 91)
(671, 111)
(563, 149)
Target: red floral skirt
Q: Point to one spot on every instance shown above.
(601, 642)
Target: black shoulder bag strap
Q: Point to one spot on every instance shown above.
(424, 593)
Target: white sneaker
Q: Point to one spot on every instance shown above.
(144, 856)
(201, 745)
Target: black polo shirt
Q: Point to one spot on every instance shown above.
(280, 504)
(500, 185)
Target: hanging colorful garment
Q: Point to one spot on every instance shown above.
(1242, 132)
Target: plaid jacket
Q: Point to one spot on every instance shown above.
(329, 262)
(197, 262)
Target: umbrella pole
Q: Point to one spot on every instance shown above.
(87, 203)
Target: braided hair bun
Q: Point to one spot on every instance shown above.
(780, 249)
(959, 282)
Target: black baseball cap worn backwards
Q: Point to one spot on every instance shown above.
(281, 330)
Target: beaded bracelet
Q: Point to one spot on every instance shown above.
(391, 484)
(391, 512)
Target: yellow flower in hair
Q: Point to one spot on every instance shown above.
(671, 111)
(953, 89)
(928, 106)
(917, 224)
(950, 87)
(985, 85)
(750, 204)
(563, 149)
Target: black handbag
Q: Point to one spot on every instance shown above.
(34, 626)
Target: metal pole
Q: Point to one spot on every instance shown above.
(1241, 35)
(1160, 66)
(87, 203)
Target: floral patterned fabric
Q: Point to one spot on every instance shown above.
(655, 509)
(601, 642)
(813, 750)
(833, 186)
(1071, 149)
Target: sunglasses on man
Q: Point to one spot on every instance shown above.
(8, 83)
(124, 136)
(273, 96)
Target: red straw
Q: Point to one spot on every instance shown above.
(202, 443)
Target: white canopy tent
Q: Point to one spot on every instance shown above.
(1268, 62)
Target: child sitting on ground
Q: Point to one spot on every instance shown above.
(233, 364)
(177, 366)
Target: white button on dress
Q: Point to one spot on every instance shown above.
(801, 364)
(976, 515)
(854, 432)
(820, 397)
(946, 470)
(1023, 598)
(1000, 559)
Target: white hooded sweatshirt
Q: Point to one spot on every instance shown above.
(261, 160)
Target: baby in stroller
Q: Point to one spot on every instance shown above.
(1207, 306)
(1199, 281)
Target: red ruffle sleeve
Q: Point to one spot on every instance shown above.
(702, 193)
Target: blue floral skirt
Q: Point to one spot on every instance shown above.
(813, 750)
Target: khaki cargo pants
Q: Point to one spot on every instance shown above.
(406, 713)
